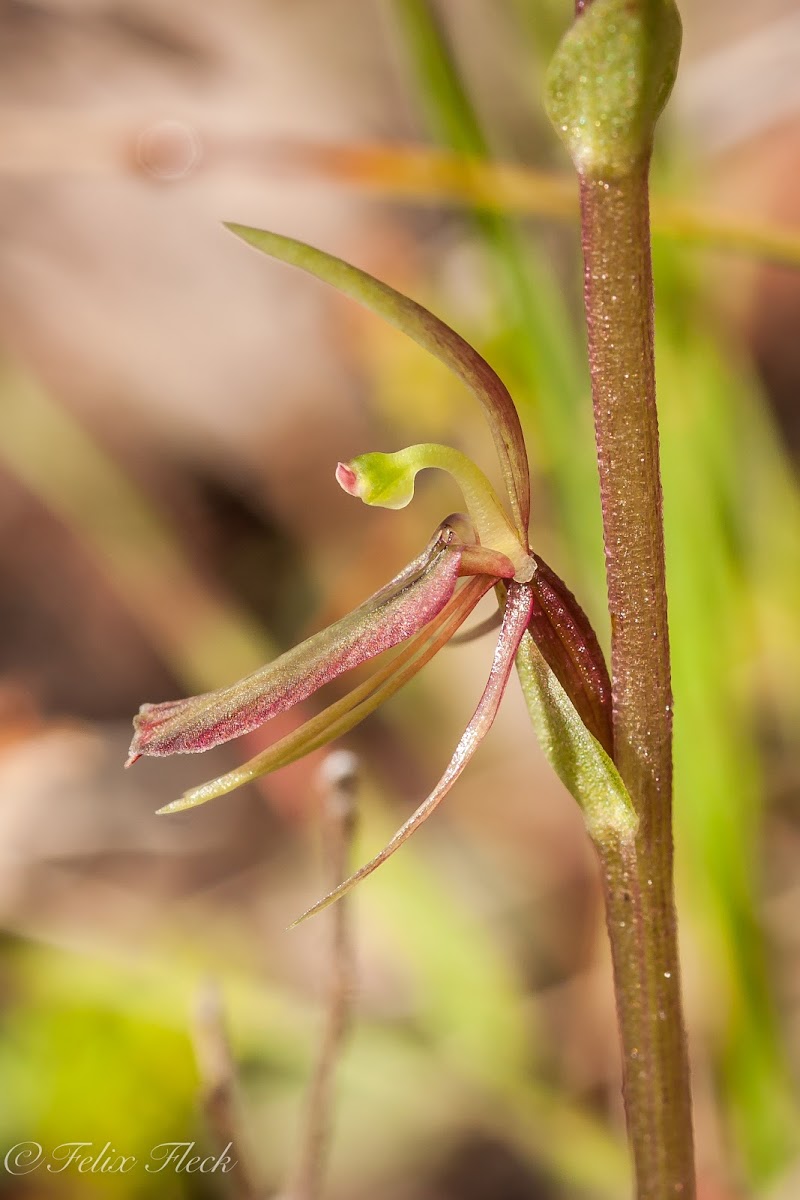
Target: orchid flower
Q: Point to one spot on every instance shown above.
(542, 627)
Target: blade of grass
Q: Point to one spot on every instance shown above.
(428, 176)
(712, 451)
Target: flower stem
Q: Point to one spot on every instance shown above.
(638, 877)
(606, 86)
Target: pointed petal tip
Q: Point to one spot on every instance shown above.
(173, 806)
(347, 479)
(337, 894)
(245, 233)
(133, 757)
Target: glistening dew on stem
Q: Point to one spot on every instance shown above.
(543, 629)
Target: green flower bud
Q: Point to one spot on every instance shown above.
(609, 80)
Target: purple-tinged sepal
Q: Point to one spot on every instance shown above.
(398, 611)
(343, 715)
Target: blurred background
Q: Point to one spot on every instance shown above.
(172, 407)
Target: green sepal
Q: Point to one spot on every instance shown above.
(577, 757)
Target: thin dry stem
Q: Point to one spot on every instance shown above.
(219, 1092)
(339, 780)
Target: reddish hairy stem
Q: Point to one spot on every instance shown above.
(638, 880)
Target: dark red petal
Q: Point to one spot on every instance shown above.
(569, 646)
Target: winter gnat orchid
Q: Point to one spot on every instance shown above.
(542, 629)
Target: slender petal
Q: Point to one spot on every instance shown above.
(393, 614)
(430, 333)
(342, 716)
(515, 621)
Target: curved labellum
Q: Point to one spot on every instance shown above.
(517, 613)
(396, 612)
(430, 333)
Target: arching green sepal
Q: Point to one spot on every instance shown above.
(430, 333)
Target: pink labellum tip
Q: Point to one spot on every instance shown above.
(347, 479)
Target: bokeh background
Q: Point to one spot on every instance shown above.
(172, 406)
